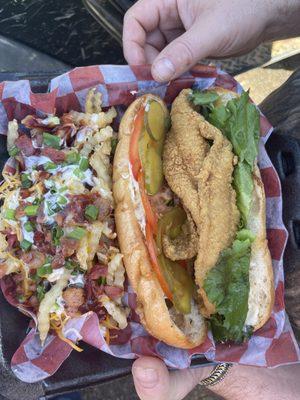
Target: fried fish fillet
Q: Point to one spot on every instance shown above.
(219, 215)
(198, 166)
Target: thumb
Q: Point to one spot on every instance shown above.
(153, 380)
(185, 51)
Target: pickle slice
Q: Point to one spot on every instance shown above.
(179, 282)
(155, 120)
(153, 171)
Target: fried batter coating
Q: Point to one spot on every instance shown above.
(191, 145)
(219, 215)
(200, 174)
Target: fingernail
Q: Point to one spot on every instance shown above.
(147, 377)
(163, 69)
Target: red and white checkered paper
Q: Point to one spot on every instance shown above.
(273, 345)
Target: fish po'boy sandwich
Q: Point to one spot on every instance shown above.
(190, 216)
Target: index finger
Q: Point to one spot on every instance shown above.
(141, 18)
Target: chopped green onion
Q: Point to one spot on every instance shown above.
(63, 189)
(37, 201)
(48, 166)
(51, 140)
(62, 200)
(83, 164)
(77, 233)
(44, 270)
(102, 280)
(25, 245)
(40, 292)
(91, 212)
(28, 226)
(114, 142)
(57, 233)
(73, 157)
(34, 277)
(31, 211)
(10, 214)
(25, 181)
(78, 173)
(21, 298)
(13, 151)
(70, 264)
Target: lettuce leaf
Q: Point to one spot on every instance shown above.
(227, 286)
(238, 120)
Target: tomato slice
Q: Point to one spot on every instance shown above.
(154, 261)
(134, 157)
(151, 216)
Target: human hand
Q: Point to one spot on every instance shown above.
(173, 35)
(153, 381)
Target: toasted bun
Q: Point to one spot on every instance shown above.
(261, 294)
(184, 331)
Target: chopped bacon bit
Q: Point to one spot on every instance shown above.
(113, 292)
(24, 193)
(33, 302)
(98, 271)
(34, 259)
(56, 156)
(74, 298)
(66, 132)
(12, 240)
(44, 175)
(68, 246)
(41, 243)
(24, 143)
(32, 121)
(66, 119)
(104, 207)
(19, 213)
(37, 137)
(17, 278)
(58, 261)
(59, 218)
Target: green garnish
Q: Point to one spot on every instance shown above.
(21, 298)
(40, 290)
(25, 245)
(10, 214)
(57, 234)
(83, 164)
(102, 280)
(26, 182)
(77, 233)
(201, 98)
(51, 140)
(91, 212)
(62, 200)
(71, 264)
(114, 142)
(78, 173)
(13, 151)
(44, 270)
(32, 210)
(28, 226)
(48, 166)
(72, 158)
(227, 287)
